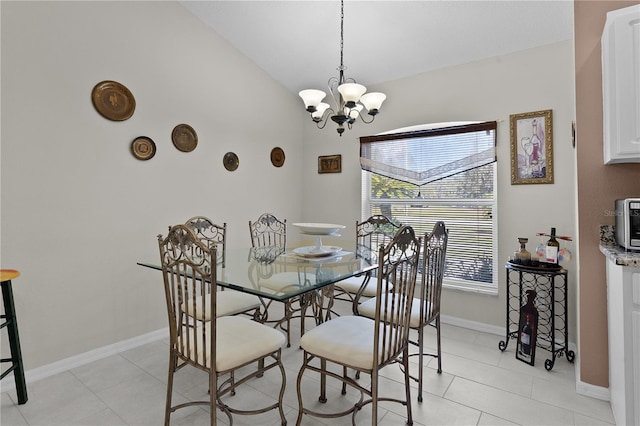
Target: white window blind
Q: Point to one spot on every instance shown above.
(458, 190)
(425, 156)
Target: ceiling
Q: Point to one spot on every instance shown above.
(298, 42)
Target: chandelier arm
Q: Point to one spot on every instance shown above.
(320, 124)
(365, 121)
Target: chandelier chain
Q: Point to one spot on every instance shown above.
(341, 68)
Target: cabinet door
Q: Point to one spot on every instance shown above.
(621, 85)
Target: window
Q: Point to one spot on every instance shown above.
(444, 172)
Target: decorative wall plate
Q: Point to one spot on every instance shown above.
(230, 161)
(184, 138)
(113, 101)
(277, 157)
(143, 148)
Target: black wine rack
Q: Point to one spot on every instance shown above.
(551, 301)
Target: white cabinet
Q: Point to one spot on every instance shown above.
(623, 307)
(621, 85)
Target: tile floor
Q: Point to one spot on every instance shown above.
(479, 385)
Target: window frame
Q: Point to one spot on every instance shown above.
(450, 283)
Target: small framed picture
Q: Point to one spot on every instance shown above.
(527, 336)
(531, 147)
(330, 164)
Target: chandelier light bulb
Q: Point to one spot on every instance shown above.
(312, 98)
(319, 112)
(354, 112)
(373, 101)
(351, 93)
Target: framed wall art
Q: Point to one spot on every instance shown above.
(531, 147)
(330, 164)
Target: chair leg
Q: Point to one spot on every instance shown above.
(374, 393)
(172, 369)
(14, 342)
(439, 349)
(283, 419)
(323, 381)
(213, 395)
(420, 361)
(407, 387)
(305, 361)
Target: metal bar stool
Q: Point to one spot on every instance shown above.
(10, 321)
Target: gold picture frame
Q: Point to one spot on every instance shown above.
(531, 147)
(330, 164)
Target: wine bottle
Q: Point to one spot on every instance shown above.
(535, 153)
(553, 246)
(525, 337)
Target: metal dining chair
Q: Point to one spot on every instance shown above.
(371, 234)
(220, 346)
(268, 233)
(425, 308)
(368, 345)
(229, 302)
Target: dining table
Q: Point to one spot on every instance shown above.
(257, 270)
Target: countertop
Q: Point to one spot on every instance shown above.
(614, 252)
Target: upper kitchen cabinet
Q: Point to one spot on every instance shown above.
(621, 85)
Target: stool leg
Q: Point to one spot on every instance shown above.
(14, 342)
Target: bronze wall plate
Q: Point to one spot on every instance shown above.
(113, 101)
(143, 148)
(277, 157)
(184, 138)
(230, 161)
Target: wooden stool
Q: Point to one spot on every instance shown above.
(6, 275)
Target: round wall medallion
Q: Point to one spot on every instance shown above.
(277, 157)
(230, 161)
(184, 138)
(113, 101)
(143, 148)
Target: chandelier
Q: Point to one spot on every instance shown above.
(348, 96)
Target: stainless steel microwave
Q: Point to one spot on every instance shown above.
(628, 223)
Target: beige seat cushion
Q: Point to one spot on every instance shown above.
(240, 340)
(286, 281)
(346, 340)
(229, 302)
(352, 285)
(368, 309)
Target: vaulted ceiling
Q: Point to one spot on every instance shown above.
(298, 42)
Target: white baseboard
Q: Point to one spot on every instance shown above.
(473, 325)
(593, 391)
(8, 383)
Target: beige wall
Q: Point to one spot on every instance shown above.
(78, 210)
(491, 89)
(598, 187)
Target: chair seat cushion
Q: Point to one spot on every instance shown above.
(352, 285)
(229, 302)
(346, 339)
(239, 341)
(368, 309)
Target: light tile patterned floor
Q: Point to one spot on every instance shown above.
(480, 385)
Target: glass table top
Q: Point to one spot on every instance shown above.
(275, 274)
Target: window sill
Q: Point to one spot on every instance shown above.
(486, 290)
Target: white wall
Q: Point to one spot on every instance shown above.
(78, 210)
(492, 89)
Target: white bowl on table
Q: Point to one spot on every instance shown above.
(318, 228)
